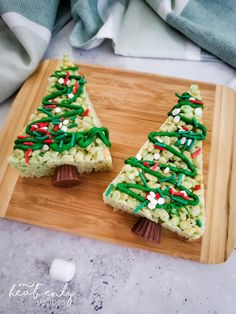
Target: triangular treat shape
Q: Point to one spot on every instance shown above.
(64, 130)
(164, 181)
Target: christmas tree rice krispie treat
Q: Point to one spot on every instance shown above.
(64, 137)
(163, 183)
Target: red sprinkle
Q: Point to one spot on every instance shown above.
(33, 127)
(27, 154)
(48, 141)
(42, 124)
(158, 195)
(66, 78)
(62, 118)
(28, 143)
(146, 163)
(154, 167)
(158, 147)
(75, 88)
(197, 187)
(196, 153)
(41, 131)
(54, 100)
(185, 128)
(21, 136)
(172, 192)
(85, 113)
(56, 127)
(196, 101)
(50, 106)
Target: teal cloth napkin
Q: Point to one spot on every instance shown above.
(175, 29)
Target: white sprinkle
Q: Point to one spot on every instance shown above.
(57, 110)
(156, 156)
(149, 197)
(61, 80)
(45, 147)
(64, 128)
(159, 139)
(44, 128)
(35, 126)
(68, 82)
(183, 140)
(181, 131)
(60, 124)
(189, 142)
(151, 206)
(138, 157)
(160, 201)
(175, 111)
(198, 111)
(71, 95)
(191, 98)
(152, 194)
(184, 192)
(167, 169)
(65, 122)
(176, 119)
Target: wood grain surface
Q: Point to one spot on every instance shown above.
(131, 105)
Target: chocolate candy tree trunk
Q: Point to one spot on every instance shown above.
(65, 176)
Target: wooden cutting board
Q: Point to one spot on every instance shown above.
(131, 105)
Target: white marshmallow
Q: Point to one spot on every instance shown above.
(62, 270)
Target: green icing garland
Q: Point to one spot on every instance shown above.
(60, 140)
(176, 178)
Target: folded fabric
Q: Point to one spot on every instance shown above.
(179, 29)
(25, 31)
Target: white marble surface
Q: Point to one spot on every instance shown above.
(109, 278)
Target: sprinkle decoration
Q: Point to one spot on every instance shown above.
(85, 113)
(197, 187)
(175, 195)
(21, 136)
(158, 147)
(194, 101)
(58, 110)
(27, 154)
(196, 153)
